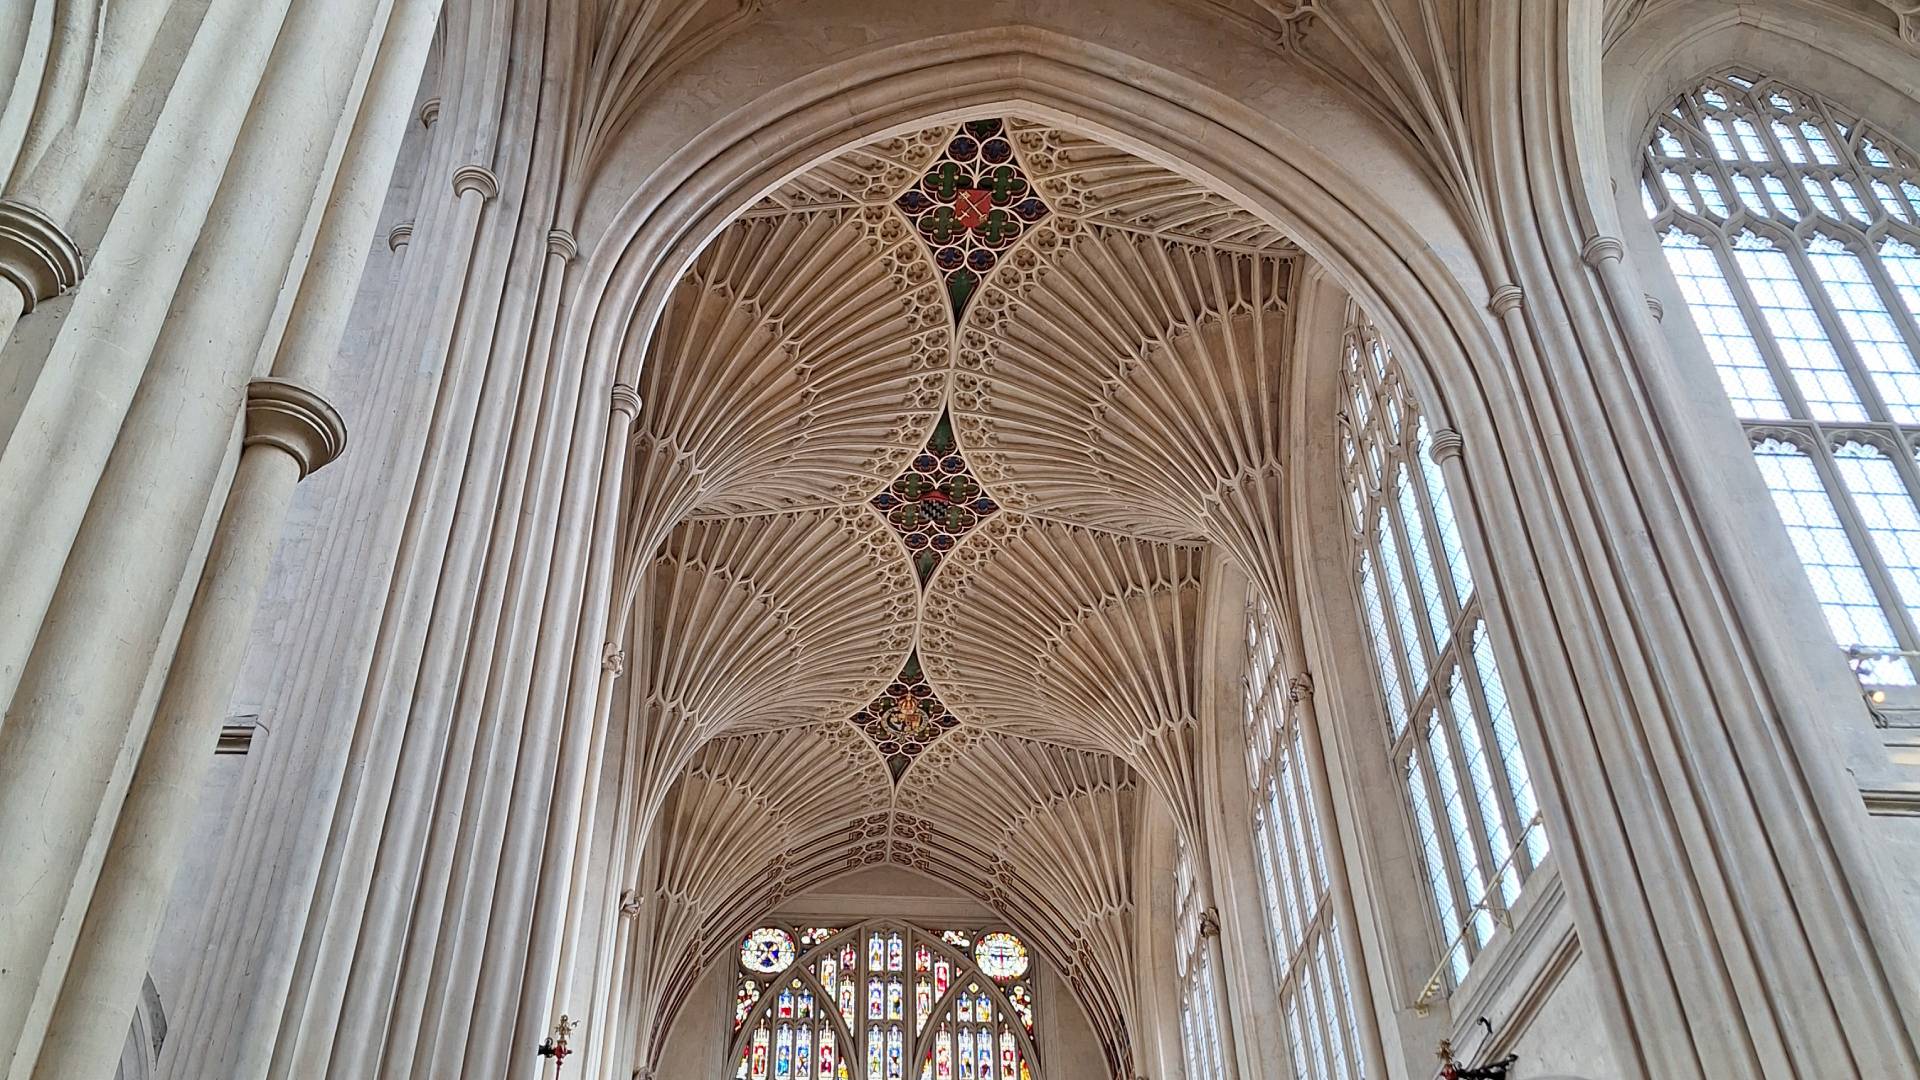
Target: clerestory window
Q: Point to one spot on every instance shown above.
(1449, 727)
(1790, 227)
(1199, 1008)
(1316, 1007)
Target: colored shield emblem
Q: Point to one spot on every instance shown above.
(971, 206)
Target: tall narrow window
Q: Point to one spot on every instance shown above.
(1199, 1010)
(1794, 244)
(1451, 732)
(883, 1001)
(1316, 1008)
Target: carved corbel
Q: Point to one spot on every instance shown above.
(284, 414)
(36, 254)
(1210, 923)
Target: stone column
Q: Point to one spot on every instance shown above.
(69, 93)
(291, 432)
(275, 858)
(561, 906)
(108, 477)
(38, 260)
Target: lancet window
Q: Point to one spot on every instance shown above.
(1790, 227)
(1316, 1007)
(883, 1001)
(1450, 729)
(1199, 1008)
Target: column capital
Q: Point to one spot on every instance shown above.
(430, 111)
(613, 659)
(1506, 298)
(284, 414)
(36, 254)
(1210, 923)
(561, 242)
(1599, 249)
(1446, 443)
(1654, 305)
(400, 235)
(476, 178)
(626, 399)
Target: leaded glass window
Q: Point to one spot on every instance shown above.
(1449, 726)
(1316, 1008)
(1789, 225)
(883, 1001)
(1199, 1009)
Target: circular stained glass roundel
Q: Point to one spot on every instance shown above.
(1001, 956)
(767, 950)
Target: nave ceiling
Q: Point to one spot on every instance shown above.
(936, 441)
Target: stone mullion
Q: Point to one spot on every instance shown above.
(1905, 320)
(1864, 385)
(1460, 932)
(1892, 605)
(1432, 704)
(1786, 382)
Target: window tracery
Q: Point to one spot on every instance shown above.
(1316, 1007)
(1199, 1009)
(1789, 225)
(1450, 729)
(884, 1001)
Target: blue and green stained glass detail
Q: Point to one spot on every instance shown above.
(971, 206)
(905, 719)
(935, 502)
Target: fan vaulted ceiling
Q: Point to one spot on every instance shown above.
(936, 439)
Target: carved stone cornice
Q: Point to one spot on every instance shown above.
(476, 178)
(36, 254)
(1446, 443)
(284, 414)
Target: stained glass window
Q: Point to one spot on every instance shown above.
(935, 502)
(1199, 1007)
(1449, 726)
(887, 1001)
(906, 718)
(1310, 961)
(971, 205)
(1793, 244)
